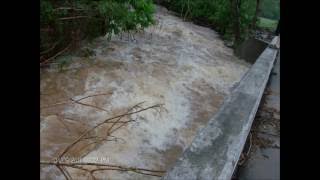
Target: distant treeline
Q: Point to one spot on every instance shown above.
(64, 23)
(226, 16)
(232, 18)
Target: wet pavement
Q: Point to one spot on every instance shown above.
(261, 156)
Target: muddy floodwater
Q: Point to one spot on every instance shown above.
(184, 67)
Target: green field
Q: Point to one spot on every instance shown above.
(268, 24)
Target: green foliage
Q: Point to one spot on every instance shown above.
(270, 9)
(267, 24)
(215, 13)
(247, 12)
(63, 22)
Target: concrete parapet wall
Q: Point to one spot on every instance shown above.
(216, 149)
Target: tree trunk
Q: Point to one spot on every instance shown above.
(235, 8)
(277, 32)
(255, 18)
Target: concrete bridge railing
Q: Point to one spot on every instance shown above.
(216, 149)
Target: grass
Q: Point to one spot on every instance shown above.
(268, 24)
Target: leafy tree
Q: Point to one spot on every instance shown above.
(232, 18)
(255, 18)
(65, 22)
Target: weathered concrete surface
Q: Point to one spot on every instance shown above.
(215, 150)
(264, 161)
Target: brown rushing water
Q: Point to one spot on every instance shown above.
(181, 65)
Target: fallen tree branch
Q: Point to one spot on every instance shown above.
(71, 100)
(99, 140)
(117, 121)
(48, 50)
(62, 166)
(67, 172)
(73, 17)
(72, 164)
(84, 169)
(56, 104)
(68, 8)
(89, 105)
(65, 126)
(96, 137)
(76, 121)
(62, 172)
(117, 169)
(57, 54)
(102, 167)
(99, 124)
(102, 94)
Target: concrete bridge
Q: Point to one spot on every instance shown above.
(216, 149)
